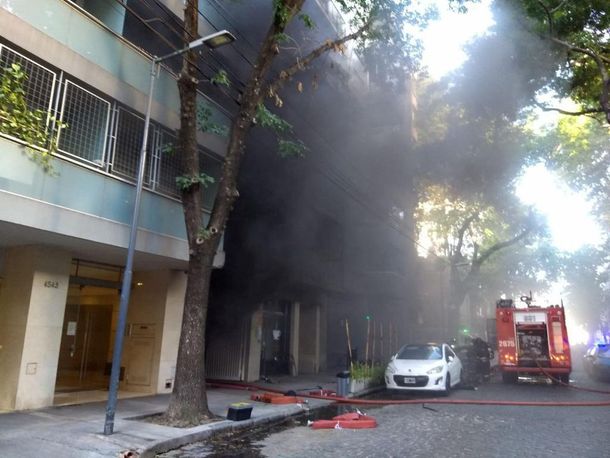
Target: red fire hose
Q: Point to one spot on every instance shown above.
(569, 385)
(383, 402)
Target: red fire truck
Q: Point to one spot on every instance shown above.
(532, 340)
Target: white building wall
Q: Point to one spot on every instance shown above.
(32, 304)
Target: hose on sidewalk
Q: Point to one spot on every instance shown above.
(385, 402)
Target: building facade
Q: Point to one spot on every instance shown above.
(312, 244)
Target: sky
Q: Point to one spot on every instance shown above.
(568, 213)
(445, 38)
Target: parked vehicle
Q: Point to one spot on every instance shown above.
(597, 362)
(532, 340)
(426, 367)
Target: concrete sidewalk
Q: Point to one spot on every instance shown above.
(76, 431)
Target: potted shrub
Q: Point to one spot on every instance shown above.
(364, 376)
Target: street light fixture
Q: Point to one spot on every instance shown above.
(212, 41)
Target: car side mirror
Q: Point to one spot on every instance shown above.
(393, 358)
(450, 358)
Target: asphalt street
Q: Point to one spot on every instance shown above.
(449, 430)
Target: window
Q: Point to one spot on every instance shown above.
(39, 84)
(128, 144)
(420, 352)
(86, 117)
(169, 163)
(99, 132)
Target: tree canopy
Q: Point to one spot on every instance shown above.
(577, 32)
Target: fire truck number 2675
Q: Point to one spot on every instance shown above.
(506, 343)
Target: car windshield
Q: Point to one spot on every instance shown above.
(420, 352)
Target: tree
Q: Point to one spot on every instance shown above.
(467, 234)
(371, 20)
(578, 30)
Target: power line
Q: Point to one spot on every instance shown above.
(336, 177)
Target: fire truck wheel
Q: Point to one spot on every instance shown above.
(509, 377)
(565, 378)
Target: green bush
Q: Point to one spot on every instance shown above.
(362, 371)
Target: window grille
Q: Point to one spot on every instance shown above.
(87, 117)
(128, 143)
(100, 133)
(39, 85)
(40, 82)
(169, 163)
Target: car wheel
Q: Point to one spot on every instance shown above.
(447, 389)
(461, 381)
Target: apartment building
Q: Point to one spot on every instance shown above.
(279, 302)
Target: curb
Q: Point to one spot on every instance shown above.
(226, 426)
(213, 429)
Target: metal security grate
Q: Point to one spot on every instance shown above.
(38, 86)
(128, 143)
(169, 163)
(86, 116)
(40, 82)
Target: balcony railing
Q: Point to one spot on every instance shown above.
(100, 133)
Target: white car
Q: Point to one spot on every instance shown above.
(425, 367)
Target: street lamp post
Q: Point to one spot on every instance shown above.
(214, 40)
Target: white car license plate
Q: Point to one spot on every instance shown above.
(410, 380)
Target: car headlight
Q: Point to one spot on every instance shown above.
(436, 370)
(391, 368)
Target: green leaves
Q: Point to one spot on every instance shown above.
(206, 123)
(18, 120)
(270, 120)
(221, 78)
(291, 148)
(186, 182)
(281, 13)
(578, 32)
(287, 147)
(307, 20)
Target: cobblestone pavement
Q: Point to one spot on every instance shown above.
(455, 430)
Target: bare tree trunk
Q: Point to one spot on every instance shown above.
(188, 403)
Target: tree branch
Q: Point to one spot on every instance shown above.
(301, 64)
(548, 15)
(462, 230)
(554, 10)
(501, 245)
(586, 111)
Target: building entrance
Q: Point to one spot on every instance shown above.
(275, 343)
(86, 339)
(84, 347)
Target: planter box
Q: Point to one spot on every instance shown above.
(355, 386)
